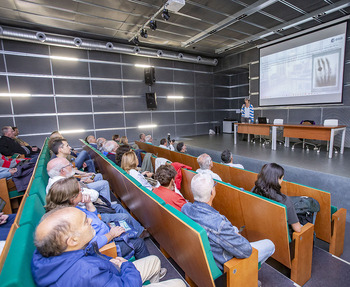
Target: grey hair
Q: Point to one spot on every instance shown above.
(148, 137)
(99, 142)
(109, 146)
(204, 161)
(201, 186)
(56, 170)
(5, 130)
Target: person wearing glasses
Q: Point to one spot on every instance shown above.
(225, 240)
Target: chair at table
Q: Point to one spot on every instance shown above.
(329, 123)
(302, 141)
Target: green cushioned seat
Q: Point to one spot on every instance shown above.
(333, 210)
(32, 212)
(39, 187)
(16, 270)
(15, 193)
(215, 271)
(41, 172)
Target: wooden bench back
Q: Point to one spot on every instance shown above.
(263, 218)
(181, 241)
(246, 179)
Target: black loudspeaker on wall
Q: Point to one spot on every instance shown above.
(151, 100)
(150, 76)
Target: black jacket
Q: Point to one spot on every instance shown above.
(9, 147)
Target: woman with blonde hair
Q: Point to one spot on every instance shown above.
(129, 163)
(124, 140)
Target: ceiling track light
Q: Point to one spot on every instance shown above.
(144, 33)
(165, 15)
(153, 25)
(136, 41)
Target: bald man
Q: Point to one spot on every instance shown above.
(67, 256)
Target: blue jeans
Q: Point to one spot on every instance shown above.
(122, 214)
(5, 228)
(84, 157)
(101, 186)
(140, 248)
(265, 249)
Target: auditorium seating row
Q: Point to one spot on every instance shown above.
(179, 237)
(263, 219)
(330, 221)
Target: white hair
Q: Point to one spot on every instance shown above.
(56, 170)
(110, 145)
(204, 161)
(147, 138)
(201, 186)
(5, 130)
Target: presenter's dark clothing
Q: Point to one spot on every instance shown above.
(9, 147)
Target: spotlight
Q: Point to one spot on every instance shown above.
(136, 40)
(153, 25)
(165, 15)
(144, 33)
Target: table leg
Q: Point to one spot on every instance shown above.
(330, 153)
(274, 138)
(342, 141)
(248, 138)
(235, 133)
(286, 142)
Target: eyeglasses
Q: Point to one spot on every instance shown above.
(70, 164)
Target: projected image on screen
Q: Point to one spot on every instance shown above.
(304, 70)
(325, 70)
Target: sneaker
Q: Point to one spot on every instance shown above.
(259, 283)
(144, 234)
(162, 273)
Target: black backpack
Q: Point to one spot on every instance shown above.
(305, 208)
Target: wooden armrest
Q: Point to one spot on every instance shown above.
(4, 194)
(109, 250)
(336, 245)
(302, 261)
(242, 272)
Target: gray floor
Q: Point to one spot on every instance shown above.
(339, 165)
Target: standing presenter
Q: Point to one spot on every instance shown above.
(247, 114)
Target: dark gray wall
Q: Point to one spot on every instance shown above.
(104, 94)
(290, 114)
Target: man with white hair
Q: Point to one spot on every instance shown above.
(100, 144)
(59, 168)
(149, 139)
(224, 238)
(206, 164)
(111, 147)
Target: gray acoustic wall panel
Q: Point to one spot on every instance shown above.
(103, 121)
(72, 87)
(187, 130)
(106, 87)
(76, 122)
(297, 115)
(185, 118)
(183, 77)
(108, 104)
(30, 85)
(3, 84)
(164, 75)
(32, 65)
(73, 104)
(166, 118)
(36, 125)
(35, 105)
(136, 119)
(5, 106)
(2, 64)
(101, 70)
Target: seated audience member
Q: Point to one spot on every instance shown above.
(224, 238)
(129, 164)
(66, 192)
(8, 162)
(61, 148)
(6, 221)
(227, 159)
(6, 172)
(142, 137)
(116, 138)
(206, 164)
(59, 168)
(91, 140)
(17, 139)
(268, 185)
(163, 143)
(149, 139)
(165, 175)
(181, 147)
(171, 145)
(67, 255)
(100, 144)
(120, 152)
(9, 147)
(124, 140)
(111, 147)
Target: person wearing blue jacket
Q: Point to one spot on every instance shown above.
(67, 256)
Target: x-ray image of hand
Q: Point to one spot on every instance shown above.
(324, 74)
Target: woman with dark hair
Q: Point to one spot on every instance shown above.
(269, 185)
(120, 152)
